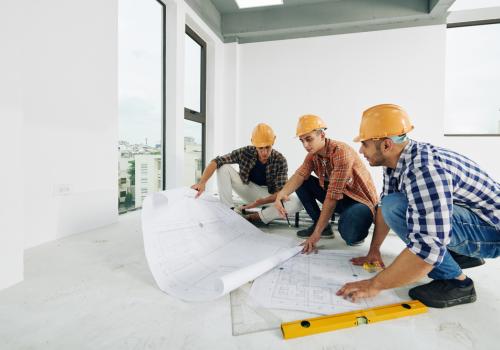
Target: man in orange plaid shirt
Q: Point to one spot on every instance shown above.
(343, 185)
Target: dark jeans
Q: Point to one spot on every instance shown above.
(355, 218)
(470, 235)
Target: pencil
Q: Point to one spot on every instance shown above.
(287, 220)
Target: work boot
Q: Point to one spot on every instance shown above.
(254, 218)
(354, 244)
(445, 293)
(306, 233)
(238, 210)
(464, 261)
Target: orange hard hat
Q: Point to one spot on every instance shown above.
(383, 120)
(263, 135)
(308, 123)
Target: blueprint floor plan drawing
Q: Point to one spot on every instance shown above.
(309, 283)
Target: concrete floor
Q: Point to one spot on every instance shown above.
(94, 291)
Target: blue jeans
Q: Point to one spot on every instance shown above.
(355, 218)
(470, 235)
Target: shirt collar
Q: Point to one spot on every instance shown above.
(403, 160)
(329, 146)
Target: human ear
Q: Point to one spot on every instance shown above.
(387, 143)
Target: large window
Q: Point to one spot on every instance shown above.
(141, 101)
(473, 80)
(194, 107)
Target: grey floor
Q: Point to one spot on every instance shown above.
(94, 291)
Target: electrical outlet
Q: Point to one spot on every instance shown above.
(62, 189)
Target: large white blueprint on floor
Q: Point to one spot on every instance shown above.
(309, 283)
(199, 249)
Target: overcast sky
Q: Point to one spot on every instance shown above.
(139, 70)
(140, 73)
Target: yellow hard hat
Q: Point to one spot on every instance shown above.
(308, 123)
(383, 120)
(263, 135)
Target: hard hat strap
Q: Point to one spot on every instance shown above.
(395, 139)
(399, 139)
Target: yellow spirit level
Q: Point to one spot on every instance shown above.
(322, 324)
(372, 267)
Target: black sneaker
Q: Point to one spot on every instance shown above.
(354, 244)
(443, 293)
(305, 233)
(464, 261)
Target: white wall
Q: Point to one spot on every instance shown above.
(58, 110)
(59, 114)
(69, 96)
(337, 77)
(11, 136)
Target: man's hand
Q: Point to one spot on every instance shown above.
(355, 291)
(277, 203)
(310, 244)
(200, 187)
(373, 257)
(252, 205)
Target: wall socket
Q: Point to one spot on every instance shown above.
(62, 189)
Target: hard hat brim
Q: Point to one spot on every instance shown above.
(302, 134)
(263, 144)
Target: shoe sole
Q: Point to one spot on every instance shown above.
(440, 304)
(468, 266)
(323, 237)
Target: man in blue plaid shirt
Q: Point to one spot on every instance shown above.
(442, 205)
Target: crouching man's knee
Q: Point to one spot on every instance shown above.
(394, 207)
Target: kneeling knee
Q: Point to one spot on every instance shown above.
(394, 207)
(225, 167)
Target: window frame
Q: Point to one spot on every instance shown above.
(189, 114)
(163, 97)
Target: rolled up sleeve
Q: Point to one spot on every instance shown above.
(230, 158)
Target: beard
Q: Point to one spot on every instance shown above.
(377, 159)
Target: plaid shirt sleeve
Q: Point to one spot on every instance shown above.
(281, 174)
(306, 168)
(430, 205)
(230, 158)
(341, 174)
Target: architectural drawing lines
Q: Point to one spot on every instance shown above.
(310, 282)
